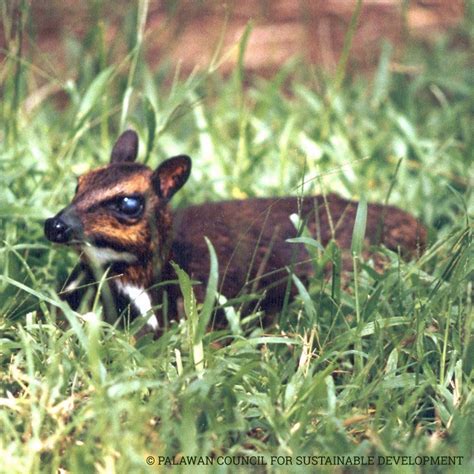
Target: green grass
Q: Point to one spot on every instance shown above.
(385, 368)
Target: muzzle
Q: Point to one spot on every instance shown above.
(63, 227)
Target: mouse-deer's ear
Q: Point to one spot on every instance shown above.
(125, 148)
(171, 175)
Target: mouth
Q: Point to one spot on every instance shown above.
(77, 244)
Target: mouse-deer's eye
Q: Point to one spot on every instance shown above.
(130, 206)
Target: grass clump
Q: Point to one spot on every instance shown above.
(383, 369)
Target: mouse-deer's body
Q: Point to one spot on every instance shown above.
(119, 219)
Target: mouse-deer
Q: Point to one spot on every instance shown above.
(120, 221)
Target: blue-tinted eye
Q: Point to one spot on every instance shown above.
(130, 205)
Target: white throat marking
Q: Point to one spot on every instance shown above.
(105, 255)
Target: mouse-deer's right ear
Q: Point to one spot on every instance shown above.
(125, 148)
(171, 175)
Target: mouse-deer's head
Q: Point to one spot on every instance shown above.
(119, 212)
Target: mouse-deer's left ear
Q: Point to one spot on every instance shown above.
(125, 148)
(171, 175)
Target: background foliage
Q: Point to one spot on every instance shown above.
(383, 368)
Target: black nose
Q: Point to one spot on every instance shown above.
(56, 230)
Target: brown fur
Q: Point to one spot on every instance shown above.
(249, 237)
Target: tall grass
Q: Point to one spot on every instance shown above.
(384, 368)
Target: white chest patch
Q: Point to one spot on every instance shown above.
(142, 302)
(72, 285)
(106, 255)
